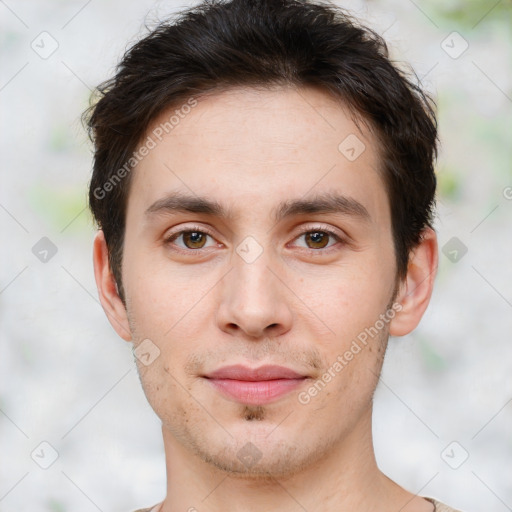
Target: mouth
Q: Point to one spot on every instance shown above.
(256, 386)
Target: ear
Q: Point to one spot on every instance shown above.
(107, 289)
(416, 289)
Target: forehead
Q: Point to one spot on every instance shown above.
(249, 146)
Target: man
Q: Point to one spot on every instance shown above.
(264, 186)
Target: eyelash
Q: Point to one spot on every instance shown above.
(196, 229)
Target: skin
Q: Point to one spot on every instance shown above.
(299, 304)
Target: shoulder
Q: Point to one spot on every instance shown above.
(441, 507)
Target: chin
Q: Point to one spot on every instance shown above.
(260, 452)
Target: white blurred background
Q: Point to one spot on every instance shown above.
(443, 411)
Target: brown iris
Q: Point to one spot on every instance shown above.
(318, 239)
(196, 239)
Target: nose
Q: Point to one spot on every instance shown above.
(254, 300)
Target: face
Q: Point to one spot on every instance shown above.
(254, 239)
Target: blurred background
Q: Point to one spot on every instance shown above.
(76, 432)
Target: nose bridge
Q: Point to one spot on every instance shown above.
(253, 299)
(251, 272)
(252, 280)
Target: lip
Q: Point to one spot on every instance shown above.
(255, 386)
(266, 372)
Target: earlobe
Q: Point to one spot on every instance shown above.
(416, 289)
(107, 288)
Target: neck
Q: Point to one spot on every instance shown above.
(345, 479)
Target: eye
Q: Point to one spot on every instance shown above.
(191, 239)
(195, 238)
(319, 238)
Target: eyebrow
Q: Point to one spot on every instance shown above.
(177, 202)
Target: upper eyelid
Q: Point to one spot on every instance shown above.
(175, 234)
(320, 227)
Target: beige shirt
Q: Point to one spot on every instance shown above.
(438, 507)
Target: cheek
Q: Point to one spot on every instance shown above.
(173, 310)
(345, 301)
(162, 295)
(166, 391)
